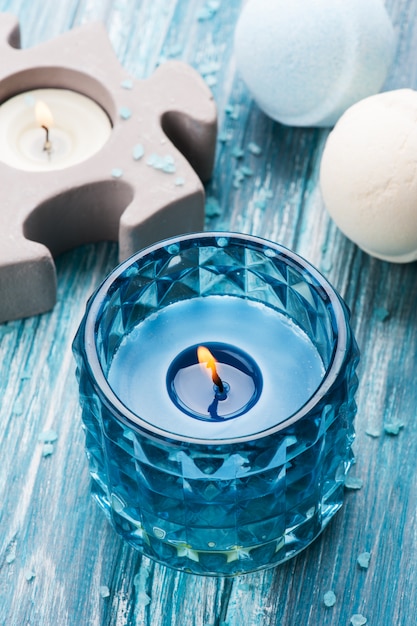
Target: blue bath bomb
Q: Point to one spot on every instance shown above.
(306, 61)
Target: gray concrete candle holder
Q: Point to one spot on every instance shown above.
(126, 192)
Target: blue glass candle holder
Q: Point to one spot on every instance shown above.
(237, 462)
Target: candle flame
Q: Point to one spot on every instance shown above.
(43, 114)
(206, 358)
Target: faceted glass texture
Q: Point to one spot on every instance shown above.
(232, 506)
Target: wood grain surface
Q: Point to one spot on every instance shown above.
(60, 562)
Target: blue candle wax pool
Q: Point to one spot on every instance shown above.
(288, 367)
(222, 383)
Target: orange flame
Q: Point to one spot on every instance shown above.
(206, 358)
(43, 114)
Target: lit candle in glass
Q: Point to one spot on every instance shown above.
(217, 380)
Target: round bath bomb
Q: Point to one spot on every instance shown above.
(368, 175)
(306, 61)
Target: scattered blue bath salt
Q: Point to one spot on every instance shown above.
(232, 111)
(363, 560)
(208, 11)
(165, 164)
(139, 584)
(393, 428)
(169, 168)
(261, 204)
(224, 137)
(168, 164)
(48, 449)
(237, 153)
(125, 113)
(127, 84)
(358, 620)
(143, 598)
(238, 175)
(48, 436)
(254, 148)
(204, 14)
(138, 152)
(246, 171)
(381, 313)
(329, 598)
(153, 160)
(11, 554)
(104, 591)
(210, 80)
(117, 172)
(212, 207)
(209, 67)
(179, 181)
(353, 483)
(373, 433)
(29, 575)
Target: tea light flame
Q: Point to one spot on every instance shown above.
(43, 114)
(206, 358)
(45, 120)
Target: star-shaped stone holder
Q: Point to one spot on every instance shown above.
(145, 184)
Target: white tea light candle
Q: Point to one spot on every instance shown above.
(51, 129)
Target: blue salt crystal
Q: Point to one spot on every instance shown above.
(329, 598)
(138, 152)
(127, 84)
(254, 148)
(125, 113)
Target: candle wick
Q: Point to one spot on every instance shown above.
(47, 146)
(204, 356)
(214, 375)
(217, 381)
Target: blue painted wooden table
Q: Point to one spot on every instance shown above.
(60, 562)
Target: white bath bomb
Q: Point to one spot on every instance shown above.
(368, 175)
(306, 61)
